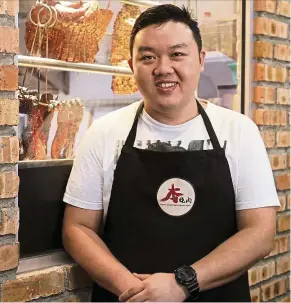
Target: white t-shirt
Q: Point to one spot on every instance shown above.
(90, 182)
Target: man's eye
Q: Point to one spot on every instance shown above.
(177, 55)
(147, 58)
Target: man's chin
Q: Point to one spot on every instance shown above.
(167, 103)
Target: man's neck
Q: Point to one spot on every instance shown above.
(174, 116)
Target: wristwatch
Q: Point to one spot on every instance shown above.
(186, 276)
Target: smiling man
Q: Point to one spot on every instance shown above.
(184, 188)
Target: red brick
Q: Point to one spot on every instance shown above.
(259, 116)
(34, 285)
(267, 271)
(263, 49)
(273, 289)
(283, 8)
(268, 138)
(9, 257)
(270, 27)
(9, 40)
(260, 72)
(9, 112)
(275, 249)
(283, 244)
(9, 7)
(283, 139)
(264, 95)
(283, 117)
(281, 74)
(265, 6)
(282, 52)
(283, 181)
(283, 222)
(253, 275)
(77, 277)
(282, 199)
(9, 149)
(9, 221)
(270, 117)
(255, 295)
(270, 73)
(264, 72)
(279, 29)
(283, 264)
(9, 184)
(8, 77)
(262, 26)
(283, 96)
(288, 201)
(278, 161)
(280, 287)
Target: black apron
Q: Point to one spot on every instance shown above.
(145, 238)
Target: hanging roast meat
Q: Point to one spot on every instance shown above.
(120, 51)
(70, 115)
(35, 136)
(73, 32)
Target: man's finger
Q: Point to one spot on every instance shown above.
(140, 297)
(141, 276)
(130, 292)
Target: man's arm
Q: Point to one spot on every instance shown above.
(81, 241)
(252, 242)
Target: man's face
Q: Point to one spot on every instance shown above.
(166, 65)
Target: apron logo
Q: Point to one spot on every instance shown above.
(176, 197)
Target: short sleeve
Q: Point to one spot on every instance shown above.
(85, 184)
(255, 182)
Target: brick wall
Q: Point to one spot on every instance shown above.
(66, 283)
(9, 181)
(269, 279)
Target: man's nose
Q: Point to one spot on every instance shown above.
(163, 67)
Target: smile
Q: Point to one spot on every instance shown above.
(166, 84)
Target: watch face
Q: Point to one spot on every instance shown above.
(186, 274)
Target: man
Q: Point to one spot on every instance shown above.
(184, 188)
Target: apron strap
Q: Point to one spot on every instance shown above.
(132, 134)
(209, 127)
(213, 138)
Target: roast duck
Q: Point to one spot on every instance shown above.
(40, 113)
(66, 31)
(120, 51)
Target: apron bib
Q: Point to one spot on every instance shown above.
(170, 209)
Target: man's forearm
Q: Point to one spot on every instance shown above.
(232, 258)
(88, 250)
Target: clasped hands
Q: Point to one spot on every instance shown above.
(159, 287)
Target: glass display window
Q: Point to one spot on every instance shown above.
(72, 71)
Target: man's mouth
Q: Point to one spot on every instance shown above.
(166, 86)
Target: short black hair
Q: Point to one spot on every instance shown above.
(161, 14)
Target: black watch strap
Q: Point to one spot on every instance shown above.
(193, 289)
(187, 277)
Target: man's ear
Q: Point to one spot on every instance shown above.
(202, 60)
(130, 64)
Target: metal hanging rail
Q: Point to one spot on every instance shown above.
(142, 3)
(38, 62)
